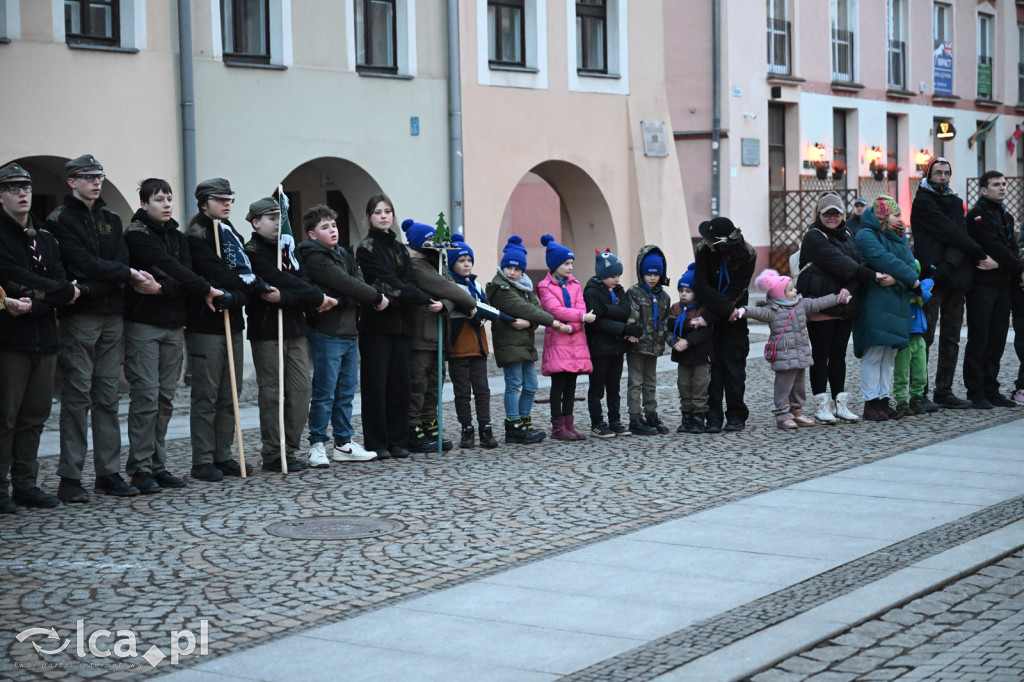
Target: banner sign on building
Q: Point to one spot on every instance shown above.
(943, 68)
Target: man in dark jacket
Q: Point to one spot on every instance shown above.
(154, 332)
(297, 294)
(211, 420)
(724, 265)
(988, 301)
(949, 256)
(91, 332)
(33, 278)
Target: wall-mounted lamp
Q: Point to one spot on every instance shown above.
(922, 159)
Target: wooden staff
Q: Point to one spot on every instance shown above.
(231, 363)
(280, 354)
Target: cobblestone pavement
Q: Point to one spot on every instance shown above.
(973, 629)
(165, 562)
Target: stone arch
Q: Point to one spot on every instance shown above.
(49, 185)
(339, 183)
(559, 198)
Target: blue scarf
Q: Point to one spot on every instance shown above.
(611, 292)
(677, 331)
(723, 273)
(470, 283)
(564, 283)
(654, 301)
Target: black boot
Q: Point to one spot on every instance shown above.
(655, 421)
(487, 438)
(532, 435)
(687, 423)
(696, 422)
(420, 440)
(639, 427)
(433, 431)
(513, 432)
(467, 441)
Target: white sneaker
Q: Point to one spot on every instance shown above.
(352, 452)
(843, 410)
(318, 456)
(822, 409)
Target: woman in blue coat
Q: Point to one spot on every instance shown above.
(882, 325)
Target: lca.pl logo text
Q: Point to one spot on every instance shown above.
(182, 643)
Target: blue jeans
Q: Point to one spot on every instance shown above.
(335, 380)
(520, 388)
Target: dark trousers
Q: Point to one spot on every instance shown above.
(729, 377)
(26, 391)
(605, 379)
(1017, 305)
(469, 377)
(949, 306)
(829, 339)
(212, 416)
(988, 321)
(563, 393)
(385, 387)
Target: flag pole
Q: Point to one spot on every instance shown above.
(231, 363)
(443, 239)
(280, 353)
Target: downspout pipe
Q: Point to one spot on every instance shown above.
(187, 87)
(716, 105)
(455, 118)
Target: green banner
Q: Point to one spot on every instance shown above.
(985, 81)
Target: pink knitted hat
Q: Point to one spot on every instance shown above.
(772, 283)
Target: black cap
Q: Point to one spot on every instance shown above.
(720, 231)
(262, 207)
(12, 172)
(86, 164)
(214, 187)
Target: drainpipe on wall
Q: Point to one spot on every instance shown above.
(455, 118)
(716, 107)
(187, 85)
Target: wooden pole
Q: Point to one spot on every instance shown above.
(231, 364)
(280, 357)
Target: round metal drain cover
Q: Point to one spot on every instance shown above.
(334, 528)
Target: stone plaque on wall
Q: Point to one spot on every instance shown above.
(655, 143)
(750, 151)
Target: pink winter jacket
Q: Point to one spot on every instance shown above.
(564, 352)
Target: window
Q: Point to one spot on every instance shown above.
(776, 147)
(839, 144)
(982, 149)
(842, 42)
(10, 20)
(779, 41)
(942, 44)
(377, 35)
(92, 22)
(897, 62)
(985, 56)
(246, 30)
(591, 36)
(892, 148)
(1020, 63)
(506, 26)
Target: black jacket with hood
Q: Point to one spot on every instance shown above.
(336, 273)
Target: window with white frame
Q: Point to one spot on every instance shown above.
(842, 41)
(252, 32)
(512, 42)
(98, 24)
(897, 47)
(10, 20)
(940, 23)
(583, 29)
(985, 66)
(780, 44)
(377, 35)
(92, 22)
(592, 36)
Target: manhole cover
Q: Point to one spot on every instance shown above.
(334, 528)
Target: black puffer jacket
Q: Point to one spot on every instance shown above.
(605, 334)
(941, 240)
(42, 280)
(387, 267)
(297, 294)
(95, 254)
(833, 262)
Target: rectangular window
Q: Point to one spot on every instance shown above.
(892, 147)
(897, 62)
(92, 22)
(376, 35)
(246, 28)
(776, 147)
(506, 26)
(842, 42)
(982, 150)
(779, 39)
(1020, 63)
(591, 36)
(940, 24)
(985, 56)
(839, 165)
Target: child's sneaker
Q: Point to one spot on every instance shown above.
(619, 428)
(602, 430)
(468, 437)
(318, 456)
(352, 452)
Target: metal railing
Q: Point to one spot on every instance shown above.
(780, 47)
(842, 55)
(897, 65)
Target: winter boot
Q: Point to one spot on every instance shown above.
(433, 432)
(687, 423)
(569, 426)
(655, 421)
(874, 410)
(558, 430)
(822, 409)
(514, 432)
(487, 439)
(843, 410)
(532, 435)
(697, 423)
(639, 427)
(467, 437)
(419, 441)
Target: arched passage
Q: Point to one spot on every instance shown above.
(49, 185)
(339, 183)
(561, 199)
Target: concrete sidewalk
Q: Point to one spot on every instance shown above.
(560, 615)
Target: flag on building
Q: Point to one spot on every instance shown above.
(1011, 143)
(286, 239)
(981, 132)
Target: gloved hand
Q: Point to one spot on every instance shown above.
(224, 301)
(926, 289)
(633, 330)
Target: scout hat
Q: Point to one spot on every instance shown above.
(86, 164)
(262, 207)
(214, 187)
(12, 172)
